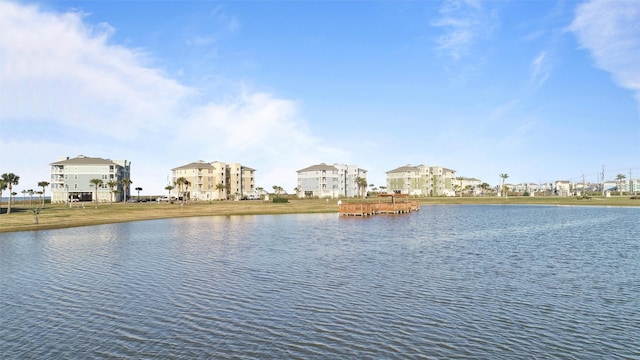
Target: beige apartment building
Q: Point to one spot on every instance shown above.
(421, 180)
(214, 181)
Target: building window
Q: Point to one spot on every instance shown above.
(75, 177)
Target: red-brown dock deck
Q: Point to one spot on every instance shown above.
(363, 208)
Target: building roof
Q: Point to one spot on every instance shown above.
(403, 169)
(443, 168)
(85, 160)
(319, 167)
(194, 165)
(201, 164)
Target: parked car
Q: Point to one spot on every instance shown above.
(163, 199)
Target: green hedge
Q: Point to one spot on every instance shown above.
(280, 200)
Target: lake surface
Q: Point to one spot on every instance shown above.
(445, 282)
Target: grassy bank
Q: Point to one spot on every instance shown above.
(55, 216)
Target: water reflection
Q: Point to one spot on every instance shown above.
(448, 281)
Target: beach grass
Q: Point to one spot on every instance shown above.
(55, 216)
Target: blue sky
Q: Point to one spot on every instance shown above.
(540, 90)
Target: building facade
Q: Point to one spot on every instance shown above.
(421, 180)
(71, 179)
(470, 186)
(214, 181)
(330, 181)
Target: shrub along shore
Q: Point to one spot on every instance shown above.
(25, 217)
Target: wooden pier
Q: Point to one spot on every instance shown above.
(365, 208)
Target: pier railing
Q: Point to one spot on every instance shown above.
(373, 208)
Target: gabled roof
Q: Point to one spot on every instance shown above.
(319, 167)
(194, 165)
(85, 160)
(443, 168)
(403, 169)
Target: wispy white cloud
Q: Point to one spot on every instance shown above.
(504, 109)
(57, 68)
(610, 30)
(539, 69)
(91, 97)
(463, 23)
(258, 128)
(218, 25)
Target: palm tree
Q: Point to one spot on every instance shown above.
(220, 187)
(111, 184)
(43, 185)
(180, 182)
(138, 189)
(24, 194)
(469, 189)
(10, 179)
(96, 183)
(620, 177)
(277, 189)
(186, 190)
(30, 192)
(461, 179)
(125, 184)
(362, 186)
(169, 188)
(3, 186)
(504, 177)
(383, 189)
(484, 187)
(260, 190)
(35, 212)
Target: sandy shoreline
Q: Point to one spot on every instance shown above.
(56, 216)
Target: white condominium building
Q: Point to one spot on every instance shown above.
(330, 181)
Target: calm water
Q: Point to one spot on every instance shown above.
(446, 282)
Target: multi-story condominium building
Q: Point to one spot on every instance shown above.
(523, 188)
(71, 179)
(634, 186)
(631, 186)
(214, 181)
(330, 181)
(470, 186)
(421, 180)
